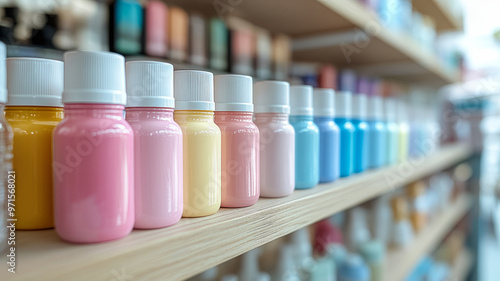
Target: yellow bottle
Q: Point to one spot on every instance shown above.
(404, 132)
(34, 109)
(201, 142)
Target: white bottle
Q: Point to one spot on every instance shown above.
(249, 270)
(286, 269)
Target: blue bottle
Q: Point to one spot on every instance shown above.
(392, 131)
(306, 137)
(377, 133)
(361, 136)
(329, 135)
(353, 269)
(343, 110)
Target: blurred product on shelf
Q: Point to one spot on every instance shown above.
(219, 38)
(306, 137)
(126, 27)
(277, 138)
(393, 131)
(156, 28)
(374, 254)
(418, 202)
(377, 133)
(34, 109)
(194, 112)
(404, 131)
(357, 231)
(242, 47)
(353, 269)
(381, 219)
(401, 232)
(343, 115)
(178, 32)
(327, 77)
(157, 144)
(361, 134)
(249, 269)
(197, 40)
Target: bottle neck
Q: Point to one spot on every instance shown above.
(94, 110)
(147, 113)
(271, 117)
(233, 116)
(30, 112)
(194, 116)
(298, 118)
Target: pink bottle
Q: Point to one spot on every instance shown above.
(156, 43)
(277, 138)
(157, 144)
(93, 151)
(240, 140)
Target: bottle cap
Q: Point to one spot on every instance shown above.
(194, 90)
(343, 104)
(359, 106)
(375, 108)
(323, 101)
(233, 93)
(94, 77)
(35, 82)
(3, 74)
(301, 100)
(390, 108)
(271, 97)
(150, 84)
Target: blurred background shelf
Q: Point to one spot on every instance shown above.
(403, 260)
(441, 13)
(462, 266)
(196, 244)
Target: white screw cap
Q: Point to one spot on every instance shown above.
(271, 97)
(390, 109)
(375, 108)
(324, 102)
(233, 93)
(35, 82)
(194, 90)
(343, 105)
(94, 77)
(3, 75)
(150, 84)
(359, 106)
(301, 100)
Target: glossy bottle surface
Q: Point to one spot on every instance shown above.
(404, 142)
(93, 174)
(239, 158)
(202, 162)
(346, 146)
(392, 143)
(377, 151)
(306, 151)
(32, 150)
(158, 166)
(6, 137)
(329, 149)
(361, 145)
(277, 154)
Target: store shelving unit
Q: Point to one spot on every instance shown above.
(196, 244)
(402, 261)
(462, 266)
(437, 10)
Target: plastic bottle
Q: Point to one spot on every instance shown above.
(418, 205)
(277, 138)
(34, 109)
(329, 135)
(402, 233)
(404, 131)
(381, 219)
(194, 112)
(157, 144)
(377, 133)
(306, 137)
(361, 135)
(93, 151)
(392, 131)
(343, 115)
(6, 138)
(353, 269)
(240, 140)
(156, 41)
(249, 270)
(374, 254)
(302, 252)
(357, 230)
(286, 269)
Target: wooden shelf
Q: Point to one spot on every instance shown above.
(407, 258)
(196, 244)
(437, 10)
(379, 52)
(462, 266)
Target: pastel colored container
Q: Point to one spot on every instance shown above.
(194, 113)
(361, 133)
(218, 44)
(156, 42)
(343, 120)
(126, 22)
(157, 144)
(353, 269)
(178, 32)
(306, 137)
(377, 133)
(393, 131)
(93, 151)
(240, 141)
(277, 138)
(404, 132)
(34, 109)
(329, 135)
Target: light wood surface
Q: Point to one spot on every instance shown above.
(196, 244)
(401, 261)
(440, 14)
(462, 266)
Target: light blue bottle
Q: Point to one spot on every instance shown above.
(353, 269)
(343, 110)
(392, 131)
(377, 133)
(329, 135)
(306, 137)
(361, 134)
